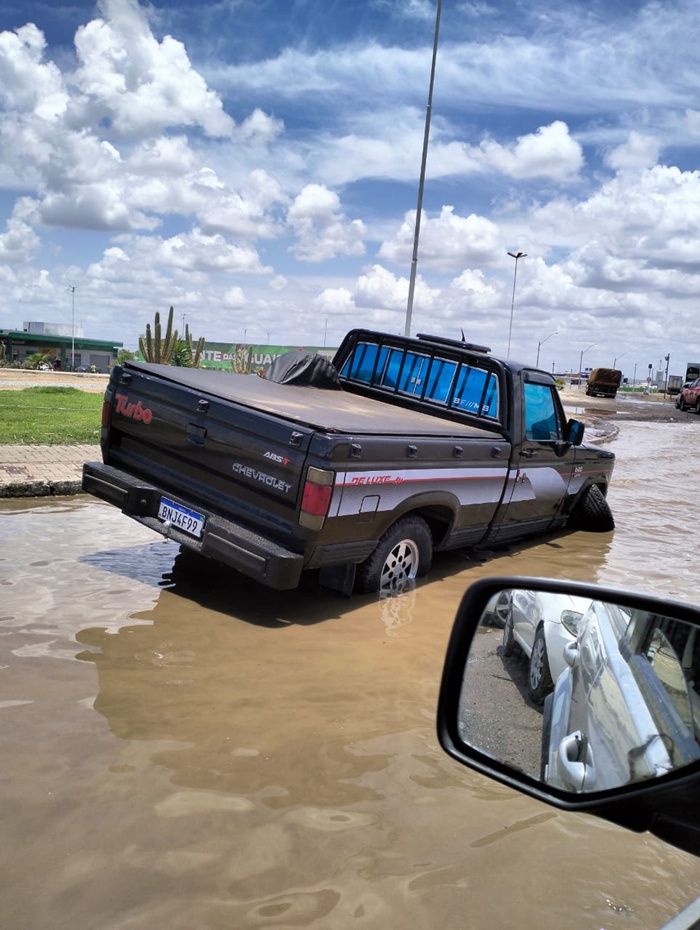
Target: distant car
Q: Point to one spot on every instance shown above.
(539, 625)
(689, 397)
(627, 707)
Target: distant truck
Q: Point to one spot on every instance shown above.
(603, 382)
(674, 384)
(692, 371)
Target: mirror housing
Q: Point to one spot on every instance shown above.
(661, 802)
(574, 432)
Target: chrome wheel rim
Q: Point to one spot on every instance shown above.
(400, 567)
(537, 664)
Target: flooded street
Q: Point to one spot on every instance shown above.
(181, 748)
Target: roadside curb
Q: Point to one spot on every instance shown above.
(40, 489)
(44, 470)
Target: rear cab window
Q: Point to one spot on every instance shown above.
(429, 376)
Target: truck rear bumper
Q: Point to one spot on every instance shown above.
(224, 540)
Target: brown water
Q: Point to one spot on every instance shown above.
(196, 752)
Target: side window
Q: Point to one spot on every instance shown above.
(490, 408)
(360, 365)
(413, 374)
(470, 389)
(541, 421)
(477, 391)
(440, 378)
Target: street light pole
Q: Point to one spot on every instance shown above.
(580, 363)
(540, 344)
(517, 256)
(71, 288)
(421, 182)
(616, 358)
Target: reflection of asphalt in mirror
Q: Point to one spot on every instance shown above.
(494, 682)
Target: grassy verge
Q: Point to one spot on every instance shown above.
(49, 415)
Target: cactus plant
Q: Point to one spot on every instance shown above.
(154, 347)
(173, 349)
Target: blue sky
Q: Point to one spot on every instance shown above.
(255, 163)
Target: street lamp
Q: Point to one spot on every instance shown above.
(616, 358)
(516, 256)
(421, 181)
(580, 363)
(540, 344)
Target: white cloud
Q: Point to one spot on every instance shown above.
(27, 83)
(447, 242)
(548, 153)
(19, 241)
(639, 151)
(137, 83)
(322, 230)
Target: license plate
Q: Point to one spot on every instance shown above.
(187, 520)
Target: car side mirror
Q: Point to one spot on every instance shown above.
(574, 432)
(586, 698)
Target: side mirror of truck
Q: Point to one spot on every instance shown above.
(574, 432)
(584, 697)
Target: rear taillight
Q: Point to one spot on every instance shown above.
(106, 407)
(316, 497)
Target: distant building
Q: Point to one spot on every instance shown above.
(67, 347)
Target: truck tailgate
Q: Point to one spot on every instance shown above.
(238, 462)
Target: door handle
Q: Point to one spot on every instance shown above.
(573, 771)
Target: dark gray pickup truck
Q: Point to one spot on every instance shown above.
(410, 446)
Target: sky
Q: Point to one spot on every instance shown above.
(255, 165)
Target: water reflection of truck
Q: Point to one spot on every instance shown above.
(603, 382)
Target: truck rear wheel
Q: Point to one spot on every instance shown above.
(593, 512)
(403, 553)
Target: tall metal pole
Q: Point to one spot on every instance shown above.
(580, 364)
(71, 288)
(516, 256)
(421, 182)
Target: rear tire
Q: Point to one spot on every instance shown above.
(501, 610)
(540, 679)
(510, 647)
(593, 512)
(403, 554)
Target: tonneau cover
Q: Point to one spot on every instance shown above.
(329, 410)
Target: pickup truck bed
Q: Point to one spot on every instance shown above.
(320, 409)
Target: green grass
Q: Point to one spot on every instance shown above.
(50, 415)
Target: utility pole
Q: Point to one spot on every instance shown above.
(72, 289)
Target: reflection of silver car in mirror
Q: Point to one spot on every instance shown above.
(539, 625)
(626, 707)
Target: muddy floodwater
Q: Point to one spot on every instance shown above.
(183, 749)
